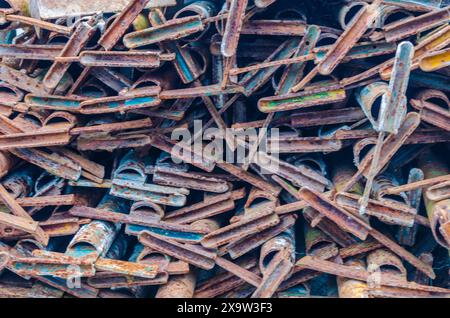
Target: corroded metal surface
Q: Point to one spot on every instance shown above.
(230, 149)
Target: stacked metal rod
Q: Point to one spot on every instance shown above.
(340, 110)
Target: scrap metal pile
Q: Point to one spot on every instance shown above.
(351, 98)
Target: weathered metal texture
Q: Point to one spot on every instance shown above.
(209, 207)
(138, 191)
(393, 104)
(391, 144)
(407, 236)
(340, 173)
(112, 127)
(187, 68)
(150, 209)
(34, 52)
(319, 244)
(126, 268)
(293, 73)
(246, 244)
(437, 211)
(111, 78)
(356, 226)
(174, 29)
(360, 51)
(327, 117)
(192, 254)
(341, 217)
(392, 14)
(51, 9)
(118, 108)
(387, 211)
(419, 5)
(53, 102)
(187, 155)
(301, 176)
(430, 112)
(53, 265)
(181, 286)
(356, 28)
(200, 91)
(53, 227)
(352, 288)
(20, 182)
(404, 28)
(254, 80)
(301, 100)
(432, 167)
(385, 181)
(7, 162)
(164, 176)
(276, 272)
(363, 275)
(145, 59)
(47, 137)
(403, 253)
(141, 256)
(38, 290)
(24, 248)
(435, 61)
(131, 168)
(439, 191)
(328, 227)
(432, 42)
(226, 281)
(21, 80)
(92, 240)
(77, 41)
(233, 27)
(347, 12)
(246, 275)
(122, 22)
(391, 114)
(256, 197)
(419, 277)
(292, 144)
(38, 24)
(274, 27)
(142, 224)
(115, 104)
(204, 9)
(384, 261)
(262, 218)
(19, 212)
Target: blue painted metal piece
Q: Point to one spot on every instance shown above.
(116, 104)
(294, 72)
(254, 80)
(7, 37)
(70, 104)
(93, 240)
(132, 168)
(133, 229)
